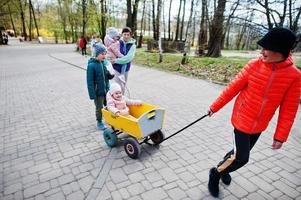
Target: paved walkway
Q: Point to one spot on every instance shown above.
(51, 149)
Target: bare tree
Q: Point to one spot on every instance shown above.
(182, 21)
(229, 18)
(154, 21)
(202, 40)
(34, 17)
(62, 14)
(84, 14)
(23, 20)
(131, 20)
(159, 8)
(190, 21)
(216, 31)
(170, 2)
(11, 20)
(103, 18)
(178, 21)
(283, 10)
(141, 26)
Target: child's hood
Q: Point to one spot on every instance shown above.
(108, 41)
(92, 60)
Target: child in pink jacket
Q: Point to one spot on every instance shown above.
(117, 103)
(111, 41)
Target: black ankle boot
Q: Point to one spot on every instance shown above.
(214, 177)
(226, 179)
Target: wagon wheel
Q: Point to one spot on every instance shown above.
(110, 137)
(132, 147)
(157, 137)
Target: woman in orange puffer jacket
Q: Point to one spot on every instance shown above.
(262, 86)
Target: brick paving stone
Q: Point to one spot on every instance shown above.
(135, 189)
(118, 175)
(168, 174)
(291, 192)
(36, 189)
(156, 193)
(176, 194)
(153, 176)
(56, 196)
(66, 179)
(124, 193)
(79, 195)
(86, 183)
(136, 177)
(12, 188)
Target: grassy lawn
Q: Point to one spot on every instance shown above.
(216, 69)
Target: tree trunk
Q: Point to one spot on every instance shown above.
(182, 23)
(190, 18)
(202, 40)
(34, 18)
(23, 21)
(163, 19)
(216, 31)
(30, 24)
(227, 26)
(169, 38)
(103, 18)
(132, 16)
(296, 25)
(64, 20)
(154, 21)
(129, 13)
(178, 21)
(12, 21)
(188, 40)
(159, 8)
(142, 21)
(84, 12)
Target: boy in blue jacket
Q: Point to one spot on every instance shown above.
(98, 80)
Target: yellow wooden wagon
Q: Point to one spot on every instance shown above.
(145, 124)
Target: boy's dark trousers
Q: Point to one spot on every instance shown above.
(99, 102)
(234, 160)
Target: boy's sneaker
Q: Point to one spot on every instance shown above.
(101, 126)
(226, 179)
(213, 184)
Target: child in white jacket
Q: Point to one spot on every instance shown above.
(117, 103)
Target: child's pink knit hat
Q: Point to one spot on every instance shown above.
(114, 87)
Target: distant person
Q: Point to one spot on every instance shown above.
(98, 81)
(83, 45)
(118, 103)
(263, 85)
(128, 49)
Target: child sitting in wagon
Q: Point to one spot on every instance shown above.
(118, 103)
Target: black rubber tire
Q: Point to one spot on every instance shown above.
(157, 137)
(132, 147)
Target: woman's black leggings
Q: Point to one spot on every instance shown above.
(239, 156)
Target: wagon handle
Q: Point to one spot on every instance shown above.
(182, 129)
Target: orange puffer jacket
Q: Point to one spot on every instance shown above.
(262, 88)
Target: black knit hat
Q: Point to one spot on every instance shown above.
(280, 40)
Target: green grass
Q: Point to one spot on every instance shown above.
(217, 69)
(221, 69)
